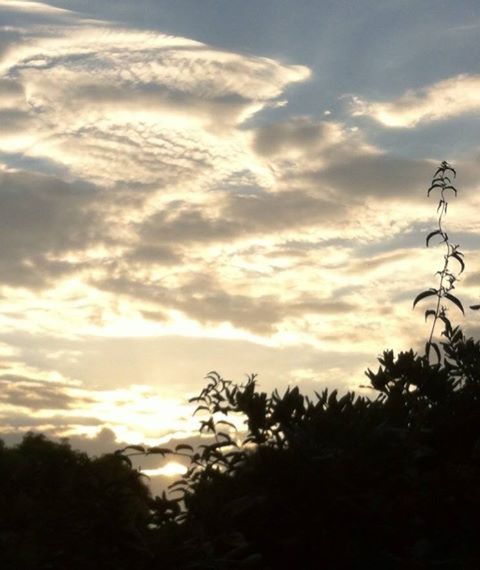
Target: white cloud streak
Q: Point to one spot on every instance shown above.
(452, 97)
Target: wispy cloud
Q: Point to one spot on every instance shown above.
(445, 99)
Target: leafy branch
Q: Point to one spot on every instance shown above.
(442, 184)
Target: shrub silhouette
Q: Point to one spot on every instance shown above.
(340, 482)
(60, 509)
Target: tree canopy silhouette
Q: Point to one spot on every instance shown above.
(344, 482)
(61, 509)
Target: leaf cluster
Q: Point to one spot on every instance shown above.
(390, 480)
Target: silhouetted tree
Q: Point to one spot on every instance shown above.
(60, 509)
(339, 482)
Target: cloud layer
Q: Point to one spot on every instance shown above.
(156, 188)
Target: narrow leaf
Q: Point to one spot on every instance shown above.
(454, 300)
(458, 257)
(158, 450)
(435, 233)
(433, 186)
(451, 188)
(224, 422)
(139, 448)
(424, 295)
(183, 446)
(448, 167)
(435, 348)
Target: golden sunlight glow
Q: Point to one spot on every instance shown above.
(171, 469)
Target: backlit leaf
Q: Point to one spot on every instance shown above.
(457, 256)
(435, 233)
(455, 301)
(424, 295)
(183, 446)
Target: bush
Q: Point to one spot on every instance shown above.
(60, 509)
(340, 482)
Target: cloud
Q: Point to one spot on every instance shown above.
(210, 301)
(239, 216)
(298, 134)
(114, 105)
(371, 263)
(376, 175)
(30, 6)
(141, 201)
(34, 394)
(448, 98)
(42, 218)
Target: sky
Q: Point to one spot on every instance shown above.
(224, 185)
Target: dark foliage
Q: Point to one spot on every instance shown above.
(344, 482)
(61, 510)
(391, 482)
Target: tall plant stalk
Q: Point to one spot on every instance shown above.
(442, 184)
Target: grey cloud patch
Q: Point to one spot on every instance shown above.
(26, 422)
(240, 216)
(371, 263)
(8, 39)
(300, 133)
(35, 395)
(41, 215)
(153, 255)
(319, 306)
(11, 91)
(274, 211)
(12, 121)
(379, 176)
(157, 316)
(472, 280)
(188, 224)
(205, 300)
(257, 314)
